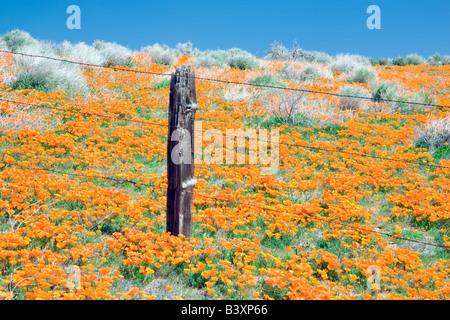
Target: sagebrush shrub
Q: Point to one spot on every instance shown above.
(206, 61)
(350, 100)
(287, 107)
(314, 73)
(161, 54)
(184, 48)
(368, 75)
(17, 39)
(373, 61)
(211, 58)
(239, 59)
(82, 52)
(309, 70)
(414, 59)
(44, 74)
(266, 80)
(434, 135)
(298, 54)
(310, 73)
(324, 73)
(320, 57)
(384, 61)
(391, 91)
(400, 61)
(243, 63)
(3, 45)
(438, 60)
(114, 53)
(349, 64)
(281, 53)
(384, 90)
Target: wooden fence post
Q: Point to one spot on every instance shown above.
(180, 152)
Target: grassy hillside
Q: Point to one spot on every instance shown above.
(317, 229)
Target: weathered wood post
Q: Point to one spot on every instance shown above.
(180, 151)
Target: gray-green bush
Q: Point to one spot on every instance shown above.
(320, 57)
(438, 60)
(399, 61)
(114, 53)
(414, 59)
(239, 59)
(349, 64)
(311, 73)
(373, 61)
(17, 39)
(184, 48)
(44, 74)
(161, 54)
(349, 100)
(384, 90)
(281, 53)
(368, 75)
(266, 80)
(82, 52)
(278, 52)
(391, 91)
(3, 45)
(210, 58)
(385, 61)
(288, 108)
(243, 63)
(434, 134)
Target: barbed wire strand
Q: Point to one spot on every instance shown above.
(140, 183)
(223, 134)
(339, 223)
(81, 112)
(224, 81)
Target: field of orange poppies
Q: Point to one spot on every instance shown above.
(330, 224)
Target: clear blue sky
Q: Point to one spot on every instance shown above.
(414, 26)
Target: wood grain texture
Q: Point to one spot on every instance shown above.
(180, 152)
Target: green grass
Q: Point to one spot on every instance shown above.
(194, 284)
(267, 80)
(161, 84)
(442, 153)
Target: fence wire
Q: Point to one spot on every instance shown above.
(224, 81)
(248, 204)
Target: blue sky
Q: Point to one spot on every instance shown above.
(414, 26)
